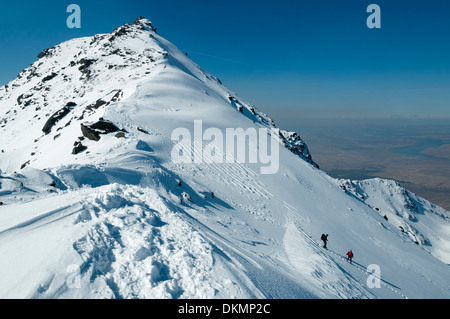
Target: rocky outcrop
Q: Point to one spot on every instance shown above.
(93, 131)
(101, 102)
(45, 52)
(49, 77)
(57, 117)
(293, 142)
(85, 65)
(78, 148)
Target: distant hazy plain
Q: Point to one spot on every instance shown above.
(416, 153)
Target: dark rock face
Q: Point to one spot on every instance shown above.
(78, 148)
(85, 67)
(293, 142)
(142, 130)
(92, 131)
(42, 54)
(57, 117)
(24, 164)
(96, 105)
(22, 97)
(46, 52)
(85, 63)
(100, 102)
(49, 77)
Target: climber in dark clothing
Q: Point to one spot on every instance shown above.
(350, 256)
(324, 239)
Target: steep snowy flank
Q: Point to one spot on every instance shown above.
(92, 204)
(422, 222)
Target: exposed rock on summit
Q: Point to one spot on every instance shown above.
(93, 131)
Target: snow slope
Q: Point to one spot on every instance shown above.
(121, 219)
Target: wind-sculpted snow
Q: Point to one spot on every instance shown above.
(105, 212)
(138, 248)
(129, 245)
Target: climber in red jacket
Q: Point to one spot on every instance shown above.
(350, 256)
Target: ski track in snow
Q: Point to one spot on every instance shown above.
(364, 271)
(320, 264)
(317, 268)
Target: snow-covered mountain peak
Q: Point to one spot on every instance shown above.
(146, 23)
(79, 80)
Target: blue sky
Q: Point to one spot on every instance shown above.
(291, 58)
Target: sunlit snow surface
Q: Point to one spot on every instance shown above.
(122, 220)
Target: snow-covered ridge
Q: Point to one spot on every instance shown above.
(76, 81)
(92, 206)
